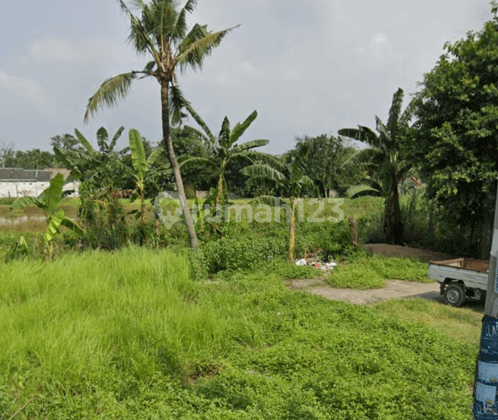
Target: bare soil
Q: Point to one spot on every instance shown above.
(406, 251)
(393, 289)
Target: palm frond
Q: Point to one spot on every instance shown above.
(193, 162)
(137, 153)
(153, 157)
(115, 138)
(307, 182)
(363, 156)
(387, 139)
(224, 136)
(27, 201)
(52, 195)
(72, 226)
(205, 140)
(250, 145)
(149, 67)
(264, 171)
(86, 144)
(361, 134)
(201, 123)
(395, 111)
(139, 34)
(181, 21)
(191, 55)
(176, 103)
(163, 19)
(109, 93)
(239, 128)
(102, 137)
(358, 189)
(407, 113)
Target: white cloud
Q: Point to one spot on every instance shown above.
(28, 90)
(54, 49)
(96, 50)
(379, 45)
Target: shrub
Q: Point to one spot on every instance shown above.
(238, 253)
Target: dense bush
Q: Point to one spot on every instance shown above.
(239, 253)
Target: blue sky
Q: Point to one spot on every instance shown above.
(308, 67)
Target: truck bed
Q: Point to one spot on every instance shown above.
(472, 272)
(465, 263)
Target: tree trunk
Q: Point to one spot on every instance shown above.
(220, 192)
(292, 231)
(174, 164)
(393, 225)
(486, 233)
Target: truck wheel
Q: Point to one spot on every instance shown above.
(455, 294)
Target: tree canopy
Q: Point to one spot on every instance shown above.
(456, 146)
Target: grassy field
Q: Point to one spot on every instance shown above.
(372, 272)
(352, 208)
(141, 334)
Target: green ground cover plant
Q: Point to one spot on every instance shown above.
(373, 271)
(139, 334)
(462, 324)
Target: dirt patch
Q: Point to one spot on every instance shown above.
(393, 289)
(407, 251)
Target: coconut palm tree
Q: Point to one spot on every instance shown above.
(385, 161)
(221, 150)
(160, 31)
(290, 178)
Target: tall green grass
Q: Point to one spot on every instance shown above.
(133, 334)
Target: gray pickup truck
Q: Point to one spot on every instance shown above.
(460, 279)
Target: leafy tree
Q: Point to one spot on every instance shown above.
(100, 167)
(31, 159)
(291, 179)
(456, 142)
(6, 153)
(323, 157)
(223, 149)
(66, 142)
(386, 160)
(161, 32)
(49, 202)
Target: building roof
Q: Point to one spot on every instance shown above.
(24, 175)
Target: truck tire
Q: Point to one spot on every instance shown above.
(455, 294)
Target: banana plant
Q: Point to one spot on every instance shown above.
(91, 165)
(48, 203)
(141, 167)
(291, 178)
(223, 149)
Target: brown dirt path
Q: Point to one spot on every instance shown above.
(393, 289)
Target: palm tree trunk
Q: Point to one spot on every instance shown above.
(292, 231)
(393, 225)
(174, 164)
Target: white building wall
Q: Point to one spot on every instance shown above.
(31, 189)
